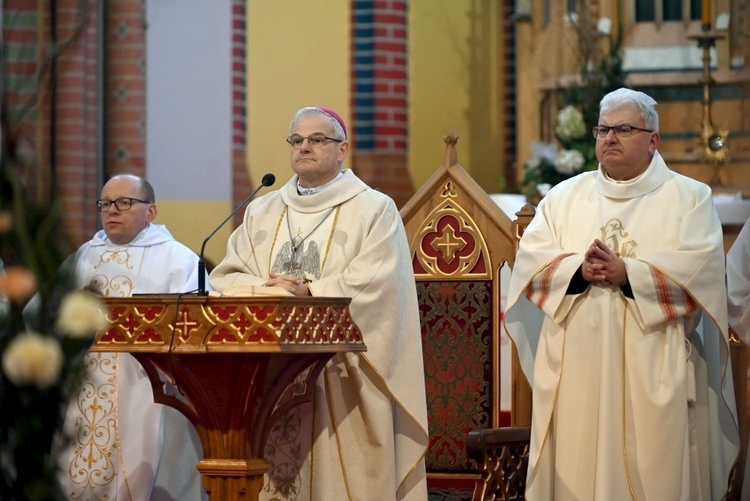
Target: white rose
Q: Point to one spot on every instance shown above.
(570, 124)
(569, 161)
(81, 315)
(31, 358)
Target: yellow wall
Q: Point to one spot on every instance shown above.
(454, 85)
(298, 55)
(191, 222)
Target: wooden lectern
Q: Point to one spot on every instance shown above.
(232, 365)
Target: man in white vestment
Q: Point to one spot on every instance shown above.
(738, 297)
(326, 233)
(738, 284)
(120, 445)
(617, 306)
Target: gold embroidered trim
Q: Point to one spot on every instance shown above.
(275, 236)
(335, 421)
(330, 239)
(118, 440)
(92, 470)
(624, 422)
(312, 440)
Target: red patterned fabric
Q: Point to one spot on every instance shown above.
(457, 342)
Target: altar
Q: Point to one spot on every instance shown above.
(733, 211)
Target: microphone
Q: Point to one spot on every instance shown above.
(267, 180)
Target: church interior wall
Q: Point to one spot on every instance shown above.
(456, 84)
(299, 54)
(662, 60)
(188, 119)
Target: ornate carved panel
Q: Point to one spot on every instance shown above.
(449, 243)
(227, 324)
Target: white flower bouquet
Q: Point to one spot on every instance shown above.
(550, 163)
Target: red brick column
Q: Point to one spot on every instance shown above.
(73, 115)
(241, 184)
(126, 87)
(379, 97)
(63, 131)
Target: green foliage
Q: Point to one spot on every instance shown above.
(33, 243)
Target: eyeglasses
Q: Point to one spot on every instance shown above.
(120, 203)
(314, 140)
(625, 130)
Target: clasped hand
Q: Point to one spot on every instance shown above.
(292, 283)
(602, 263)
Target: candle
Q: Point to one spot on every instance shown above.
(706, 14)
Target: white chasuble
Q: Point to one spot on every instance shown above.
(738, 284)
(738, 298)
(296, 251)
(117, 444)
(365, 435)
(632, 396)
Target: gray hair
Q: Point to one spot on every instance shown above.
(624, 96)
(338, 131)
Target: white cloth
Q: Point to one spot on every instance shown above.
(121, 445)
(370, 419)
(615, 377)
(738, 297)
(738, 284)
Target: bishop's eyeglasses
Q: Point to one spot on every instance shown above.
(314, 140)
(120, 203)
(623, 130)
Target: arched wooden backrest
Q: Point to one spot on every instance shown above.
(459, 240)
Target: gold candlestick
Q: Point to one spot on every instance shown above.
(706, 15)
(713, 141)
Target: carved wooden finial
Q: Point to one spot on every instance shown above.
(451, 155)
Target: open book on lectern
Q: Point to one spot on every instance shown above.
(251, 290)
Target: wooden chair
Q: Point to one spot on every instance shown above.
(459, 240)
(501, 456)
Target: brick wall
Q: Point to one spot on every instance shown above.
(241, 185)
(26, 130)
(379, 96)
(74, 108)
(125, 123)
(64, 131)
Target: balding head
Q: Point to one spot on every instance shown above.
(123, 225)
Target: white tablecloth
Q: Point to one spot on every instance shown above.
(732, 208)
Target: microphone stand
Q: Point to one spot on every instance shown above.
(267, 180)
